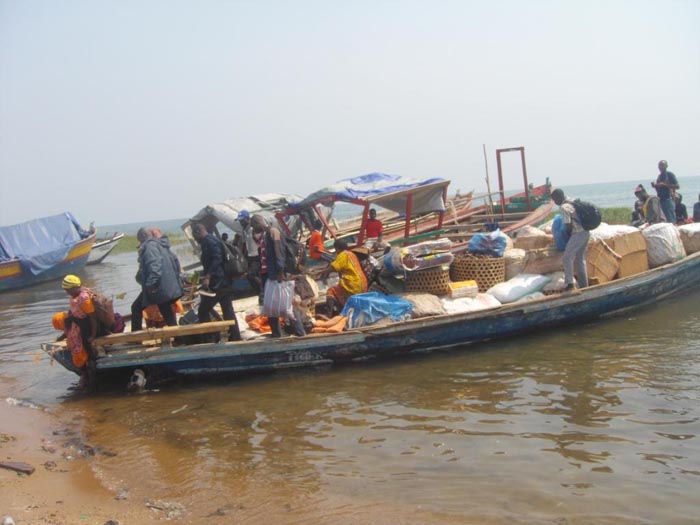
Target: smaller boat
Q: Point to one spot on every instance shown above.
(103, 247)
(42, 250)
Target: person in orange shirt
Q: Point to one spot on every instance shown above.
(317, 249)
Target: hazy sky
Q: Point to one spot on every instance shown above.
(126, 111)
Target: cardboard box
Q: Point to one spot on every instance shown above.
(602, 263)
(544, 261)
(533, 242)
(632, 247)
(628, 243)
(464, 289)
(632, 264)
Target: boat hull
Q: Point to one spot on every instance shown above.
(14, 277)
(420, 335)
(103, 248)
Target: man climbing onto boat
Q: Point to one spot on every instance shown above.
(80, 326)
(159, 277)
(217, 286)
(575, 251)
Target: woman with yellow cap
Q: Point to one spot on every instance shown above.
(80, 326)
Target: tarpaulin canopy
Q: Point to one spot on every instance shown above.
(388, 191)
(227, 211)
(40, 244)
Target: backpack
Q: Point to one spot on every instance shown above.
(235, 263)
(588, 214)
(104, 309)
(294, 255)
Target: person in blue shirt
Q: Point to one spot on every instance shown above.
(696, 211)
(666, 185)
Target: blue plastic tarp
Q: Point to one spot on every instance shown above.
(427, 194)
(368, 308)
(40, 244)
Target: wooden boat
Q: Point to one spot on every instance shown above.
(103, 247)
(42, 250)
(125, 353)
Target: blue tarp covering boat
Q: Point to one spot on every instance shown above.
(41, 249)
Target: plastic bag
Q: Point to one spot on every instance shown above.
(560, 233)
(277, 301)
(492, 244)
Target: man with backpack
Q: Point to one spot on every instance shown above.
(217, 287)
(575, 251)
(277, 272)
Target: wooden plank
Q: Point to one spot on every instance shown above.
(17, 466)
(167, 332)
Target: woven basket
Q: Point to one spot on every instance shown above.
(431, 280)
(486, 271)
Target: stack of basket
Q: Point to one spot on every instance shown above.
(486, 271)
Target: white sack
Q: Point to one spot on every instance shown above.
(531, 297)
(517, 287)
(690, 235)
(515, 260)
(664, 244)
(482, 301)
(608, 231)
(556, 282)
(424, 304)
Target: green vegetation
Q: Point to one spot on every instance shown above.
(130, 244)
(616, 215)
(609, 215)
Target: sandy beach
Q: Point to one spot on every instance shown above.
(62, 489)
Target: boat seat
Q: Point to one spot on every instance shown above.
(165, 334)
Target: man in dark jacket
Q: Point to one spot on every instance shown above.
(159, 277)
(217, 287)
(273, 245)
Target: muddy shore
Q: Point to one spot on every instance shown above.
(62, 489)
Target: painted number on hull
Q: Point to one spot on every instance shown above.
(299, 357)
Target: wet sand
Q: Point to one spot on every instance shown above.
(62, 489)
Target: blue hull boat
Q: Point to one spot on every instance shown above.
(418, 335)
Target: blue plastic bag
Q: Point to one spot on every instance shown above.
(367, 308)
(492, 244)
(560, 233)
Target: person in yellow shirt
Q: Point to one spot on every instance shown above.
(352, 277)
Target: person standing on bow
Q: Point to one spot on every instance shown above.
(218, 287)
(666, 185)
(576, 246)
(159, 277)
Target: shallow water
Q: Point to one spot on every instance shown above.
(596, 423)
